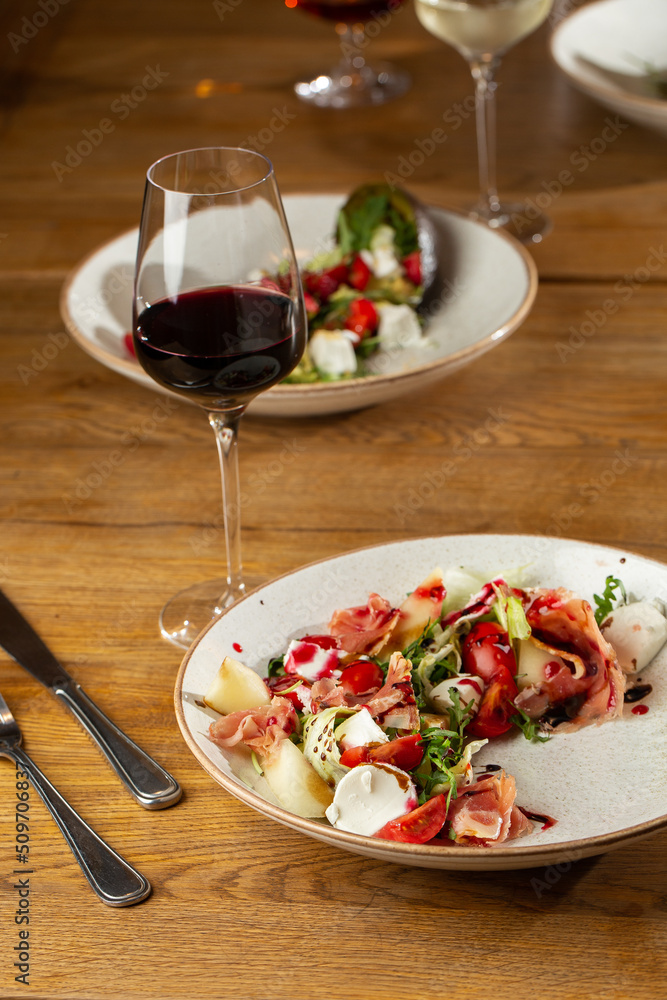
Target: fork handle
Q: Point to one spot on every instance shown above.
(115, 881)
(145, 779)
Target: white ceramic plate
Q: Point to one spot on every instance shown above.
(604, 48)
(490, 285)
(606, 785)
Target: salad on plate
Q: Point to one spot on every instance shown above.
(373, 724)
(362, 295)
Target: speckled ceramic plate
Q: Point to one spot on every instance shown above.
(605, 49)
(489, 284)
(606, 786)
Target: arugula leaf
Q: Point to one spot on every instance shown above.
(276, 667)
(605, 604)
(530, 728)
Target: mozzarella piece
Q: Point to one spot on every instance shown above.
(469, 688)
(309, 660)
(531, 661)
(637, 632)
(398, 327)
(332, 352)
(381, 256)
(359, 730)
(369, 796)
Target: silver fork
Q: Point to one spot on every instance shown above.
(115, 881)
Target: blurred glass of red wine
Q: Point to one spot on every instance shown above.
(219, 346)
(348, 11)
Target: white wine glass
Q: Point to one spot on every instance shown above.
(218, 318)
(482, 30)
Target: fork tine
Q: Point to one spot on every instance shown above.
(9, 727)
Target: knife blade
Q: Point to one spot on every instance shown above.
(144, 778)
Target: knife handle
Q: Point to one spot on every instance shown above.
(150, 784)
(115, 881)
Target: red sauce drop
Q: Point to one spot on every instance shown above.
(640, 710)
(546, 821)
(551, 669)
(436, 593)
(237, 646)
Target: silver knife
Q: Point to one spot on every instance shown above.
(150, 784)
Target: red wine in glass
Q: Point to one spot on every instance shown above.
(350, 11)
(218, 318)
(219, 346)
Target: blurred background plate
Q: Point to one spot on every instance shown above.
(608, 50)
(489, 285)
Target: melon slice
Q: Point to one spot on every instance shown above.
(235, 688)
(422, 606)
(295, 782)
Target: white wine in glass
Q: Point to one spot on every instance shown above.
(482, 30)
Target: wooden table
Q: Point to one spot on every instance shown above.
(241, 908)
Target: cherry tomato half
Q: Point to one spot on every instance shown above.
(487, 652)
(277, 686)
(361, 677)
(418, 826)
(359, 274)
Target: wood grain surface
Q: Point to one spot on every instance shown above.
(243, 909)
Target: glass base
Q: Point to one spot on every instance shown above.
(344, 87)
(185, 615)
(520, 219)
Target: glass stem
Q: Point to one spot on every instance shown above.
(225, 426)
(485, 112)
(352, 43)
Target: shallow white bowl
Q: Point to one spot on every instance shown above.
(606, 786)
(490, 285)
(602, 49)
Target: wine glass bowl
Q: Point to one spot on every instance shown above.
(218, 317)
(353, 82)
(482, 31)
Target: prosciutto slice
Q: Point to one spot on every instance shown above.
(364, 629)
(326, 693)
(591, 683)
(484, 814)
(394, 704)
(261, 728)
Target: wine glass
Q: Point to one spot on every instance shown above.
(218, 318)
(353, 83)
(482, 30)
